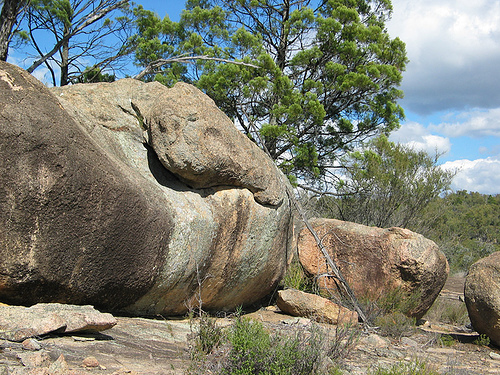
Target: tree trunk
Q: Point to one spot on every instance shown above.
(65, 60)
(8, 18)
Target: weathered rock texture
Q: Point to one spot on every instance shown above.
(482, 296)
(307, 305)
(18, 323)
(90, 215)
(375, 261)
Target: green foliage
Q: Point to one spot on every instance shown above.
(249, 348)
(447, 340)
(415, 367)
(295, 278)
(446, 311)
(386, 185)
(326, 77)
(94, 74)
(391, 312)
(482, 340)
(395, 324)
(208, 335)
(467, 227)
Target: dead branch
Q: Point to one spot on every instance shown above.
(155, 65)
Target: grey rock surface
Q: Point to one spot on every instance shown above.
(18, 323)
(90, 215)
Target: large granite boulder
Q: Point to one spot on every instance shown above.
(482, 296)
(90, 215)
(375, 261)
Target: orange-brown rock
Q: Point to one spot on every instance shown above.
(307, 305)
(375, 261)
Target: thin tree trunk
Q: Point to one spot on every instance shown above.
(65, 59)
(8, 18)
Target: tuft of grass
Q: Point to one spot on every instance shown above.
(447, 340)
(446, 311)
(296, 278)
(482, 340)
(395, 324)
(415, 367)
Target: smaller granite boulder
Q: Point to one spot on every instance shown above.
(375, 261)
(482, 296)
(297, 303)
(18, 323)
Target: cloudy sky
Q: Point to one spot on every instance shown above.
(452, 85)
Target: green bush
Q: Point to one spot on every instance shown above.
(447, 340)
(415, 367)
(295, 278)
(395, 324)
(249, 348)
(208, 335)
(482, 340)
(446, 311)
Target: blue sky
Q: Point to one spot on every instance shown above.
(451, 85)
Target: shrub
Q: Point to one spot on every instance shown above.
(208, 334)
(295, 278)
(415, 367)
(395, 324)
(249, 348)
(482, 340)
(446, 311)
(447, 340)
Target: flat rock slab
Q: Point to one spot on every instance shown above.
(307, 305)
(18, 323)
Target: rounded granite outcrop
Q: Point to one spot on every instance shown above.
(375, 261)
(482, 296)
(91, 215)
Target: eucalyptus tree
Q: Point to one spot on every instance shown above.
(387, 184)
(327, 72)
(69, 35)
(9, 17)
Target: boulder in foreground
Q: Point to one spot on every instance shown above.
(90, 214)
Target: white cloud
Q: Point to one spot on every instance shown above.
(479, 175)
(418, 137)
(475, 124)
(454, 52)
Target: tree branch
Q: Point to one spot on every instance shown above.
(93, 17)
(153, 66)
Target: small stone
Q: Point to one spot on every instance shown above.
(37, 359)
(408, 342)
(90, 362)
(375, 340)
(31, 344)
(494, 355)
(60, 366)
